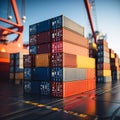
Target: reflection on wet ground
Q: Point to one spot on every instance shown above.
(100, 104)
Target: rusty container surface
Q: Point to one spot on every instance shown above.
(44, 48)
(44, 37)
(42, 60)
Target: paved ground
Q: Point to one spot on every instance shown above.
(100, 104)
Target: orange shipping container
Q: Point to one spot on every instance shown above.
(90, 73)
(19, 76)
(74, 38)
(65, 89)
(42, 60)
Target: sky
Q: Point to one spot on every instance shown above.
(107, 14)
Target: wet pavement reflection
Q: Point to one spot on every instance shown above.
(100, 104)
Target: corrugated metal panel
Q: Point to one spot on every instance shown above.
(103, 59)
(27, 86)
(41, 73)
(74, 38)
(19, 62)
(33, 29)
(20, 55)
(57, 35)
(103, 79)
(42, 60)
(17, 69)
(44, 26)
(12, 56)
(67, 74)
(44, 37)
(103, 66)
(102, 42)
(28, 73)
(63, 59)
(33, 49)
(103, 48)
(45, 88)
(103, 72)
(103, 54)
(65, 89)
(90, 73)
(35, 87)
(62, 21)
(33, 39)
(66, 48)
(29, 60)
(85, 62)
(44, 48)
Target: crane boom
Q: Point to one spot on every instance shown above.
(88, 7)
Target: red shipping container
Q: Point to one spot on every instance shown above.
(33, 40)
(57, 35)
(103, 66)
(4, 55)
(29, 60)
(63, 60)
(44, 37)
(44, 48)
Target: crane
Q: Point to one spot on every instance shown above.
(15, 28)
(88, 9)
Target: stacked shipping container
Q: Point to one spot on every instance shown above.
(62, 66)
(103, 62)
(16, 67)
(114, 61)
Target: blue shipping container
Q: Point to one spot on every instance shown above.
(57, 74)
(57, 22)
(27, 86)
(12, 69)
(35, 87)
(41, 73)
(27, 73)
(33, 29)
(33, 49)
(45, 88)
(17, 69)
(44, 26)
(12, 56)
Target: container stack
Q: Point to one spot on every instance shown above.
(16, 67)
(103, 62)
(62, 64)
(92, 50)
(114, 61)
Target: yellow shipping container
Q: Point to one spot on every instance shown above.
(85, 62)
(19, 76)
(112, 55)
(104, 73)
(92, 46)
(42, 60)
